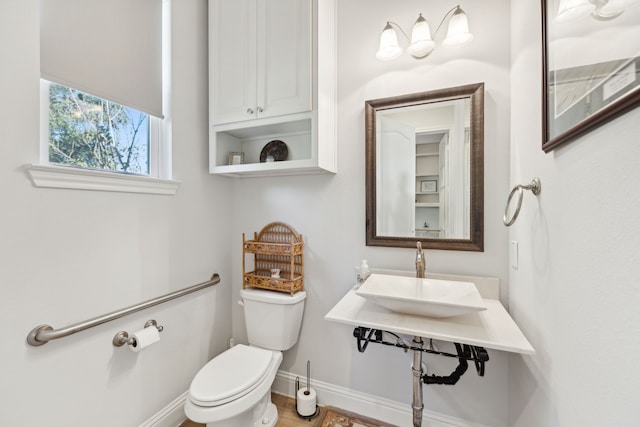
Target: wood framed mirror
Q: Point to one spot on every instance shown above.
(425, 169)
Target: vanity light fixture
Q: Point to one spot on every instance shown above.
(570, 10)
(421, 43)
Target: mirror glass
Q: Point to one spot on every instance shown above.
(424, 169)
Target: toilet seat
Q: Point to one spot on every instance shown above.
(231, 375)
(211, 414)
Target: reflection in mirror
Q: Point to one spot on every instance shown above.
(425, 169)
(591, 65)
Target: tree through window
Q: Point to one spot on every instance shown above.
(94, 133)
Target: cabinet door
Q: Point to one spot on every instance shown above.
(232, 60)
(284, 57)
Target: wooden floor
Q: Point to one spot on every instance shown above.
(287, 415)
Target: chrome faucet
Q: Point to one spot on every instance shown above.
(420, 262)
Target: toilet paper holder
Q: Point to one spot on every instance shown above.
(122, 337)
(308, 390)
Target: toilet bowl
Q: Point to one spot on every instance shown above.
(234, 388)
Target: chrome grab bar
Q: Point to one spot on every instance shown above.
(42, 334)
(534, 186)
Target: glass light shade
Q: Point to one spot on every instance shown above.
(458, 32)
(614, 7)
(569, 10)
(389, 48)
(421, 42)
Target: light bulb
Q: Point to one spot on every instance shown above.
(389, 48)
(421, 42)
(458, 32)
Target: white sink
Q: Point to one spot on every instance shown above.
(422, 297)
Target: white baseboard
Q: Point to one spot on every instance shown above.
(376, 407)
(171, 415)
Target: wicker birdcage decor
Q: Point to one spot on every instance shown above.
(277, 247)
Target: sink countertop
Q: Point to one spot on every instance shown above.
(492, 328)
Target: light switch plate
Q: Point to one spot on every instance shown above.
(513, 254)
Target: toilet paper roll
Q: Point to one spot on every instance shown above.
(306, 404)
(144, 338)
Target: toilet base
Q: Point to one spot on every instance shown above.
(264, 414)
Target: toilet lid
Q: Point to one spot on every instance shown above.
(230, 375)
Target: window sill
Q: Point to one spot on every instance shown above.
(81, 179)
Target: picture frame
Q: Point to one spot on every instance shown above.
(429, 186)
(236, 158)
(590, 67)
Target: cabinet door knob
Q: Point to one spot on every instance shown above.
(249, 111)
(260, 110)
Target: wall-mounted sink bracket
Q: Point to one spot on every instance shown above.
(465, 353)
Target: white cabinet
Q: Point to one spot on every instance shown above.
(260, 59)
(272, 76)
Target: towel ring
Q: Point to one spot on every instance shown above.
(535, 188)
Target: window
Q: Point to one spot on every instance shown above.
(94, 133)
(105, 121)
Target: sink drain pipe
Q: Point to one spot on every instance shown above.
(417, 404)
(464, 353)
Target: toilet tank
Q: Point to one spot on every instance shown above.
(273, 318)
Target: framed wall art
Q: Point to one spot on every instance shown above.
(590, 65)
(429, 186)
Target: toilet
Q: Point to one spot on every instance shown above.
(234, 388)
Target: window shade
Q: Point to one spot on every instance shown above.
(108, 48)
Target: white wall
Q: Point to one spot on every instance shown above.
(330, 210)
(69, 255)
(576, 291)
